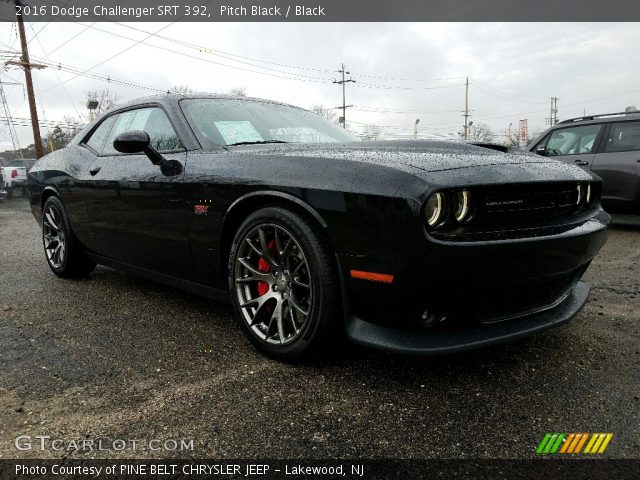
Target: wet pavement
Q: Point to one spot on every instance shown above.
(116, 357)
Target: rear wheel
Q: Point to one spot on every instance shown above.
(283, 283)
(61, 248)
(9, 191)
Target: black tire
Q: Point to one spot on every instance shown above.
(62, 250)
(298, 334)
(9, 191)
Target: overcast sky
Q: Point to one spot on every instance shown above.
(403, 71)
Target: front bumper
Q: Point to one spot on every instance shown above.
(451, 296)
(3, 194)
(433, 342)
(18, 183)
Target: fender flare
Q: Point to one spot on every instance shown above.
(279, 195)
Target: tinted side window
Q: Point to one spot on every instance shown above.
(623, 137)
(99, 135)
(151, 120)
(573, 140)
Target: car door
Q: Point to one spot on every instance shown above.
(573, 144)
(138, 214)
(618, 164)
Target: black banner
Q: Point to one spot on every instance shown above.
(320, 10)
(326, 469)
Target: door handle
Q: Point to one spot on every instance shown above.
(580, 162)
(94, 170)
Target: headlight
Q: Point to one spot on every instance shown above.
(434, 209)
(463, 207)
(581, 194)
(589, 197)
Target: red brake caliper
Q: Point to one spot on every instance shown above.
(263, 266)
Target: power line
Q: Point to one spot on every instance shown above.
(59, 79)
(492, 91)
(282, 73)
(106, 60)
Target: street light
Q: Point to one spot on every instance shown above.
(415, 129)
(92, 105)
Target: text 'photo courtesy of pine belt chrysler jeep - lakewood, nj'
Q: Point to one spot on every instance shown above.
(418, 247)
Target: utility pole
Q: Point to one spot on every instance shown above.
(26, 66)
(343, 82)
(466, 109)
(553, 112)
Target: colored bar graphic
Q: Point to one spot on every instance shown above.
(605, 442)
(543, 443)
(574, 443)
(567, 442)
(550, 443)
(592, 440)
(571, 443)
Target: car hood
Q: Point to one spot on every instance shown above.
(425, 156)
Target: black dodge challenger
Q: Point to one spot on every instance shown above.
(410, 246)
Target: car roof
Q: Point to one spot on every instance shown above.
(166, 98)
(602, 118)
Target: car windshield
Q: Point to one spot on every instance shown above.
(242, 122)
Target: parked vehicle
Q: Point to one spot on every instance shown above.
(3, 192)
(412, 246)
(15, 176)
(607, 145)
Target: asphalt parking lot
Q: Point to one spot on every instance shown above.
(114, 356)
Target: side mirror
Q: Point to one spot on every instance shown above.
(541, 150)
(132, 142)
(137, 141)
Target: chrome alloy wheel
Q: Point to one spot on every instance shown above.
(273, 284)
(54, 236)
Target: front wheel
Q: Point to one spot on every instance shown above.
(62, 250)
(283, 283)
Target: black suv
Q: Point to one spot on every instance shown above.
(607, 145)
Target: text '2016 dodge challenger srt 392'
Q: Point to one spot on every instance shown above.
(410, 246)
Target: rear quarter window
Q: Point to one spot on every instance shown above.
(623, 137)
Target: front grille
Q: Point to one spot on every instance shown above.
(524, 203)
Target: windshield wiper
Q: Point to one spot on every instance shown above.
(259, 142)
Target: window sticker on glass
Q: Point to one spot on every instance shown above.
(238, 131)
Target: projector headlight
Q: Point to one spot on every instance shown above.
(434, 209)
(463, 206)
(581, 194)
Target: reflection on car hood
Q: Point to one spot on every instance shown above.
(429, 156)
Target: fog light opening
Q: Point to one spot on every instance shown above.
(431, 319)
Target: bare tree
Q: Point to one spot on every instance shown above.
(480, 132)
(184, 89)
(106, 100)
(238, 91)
(325, 112)
(73, 124)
